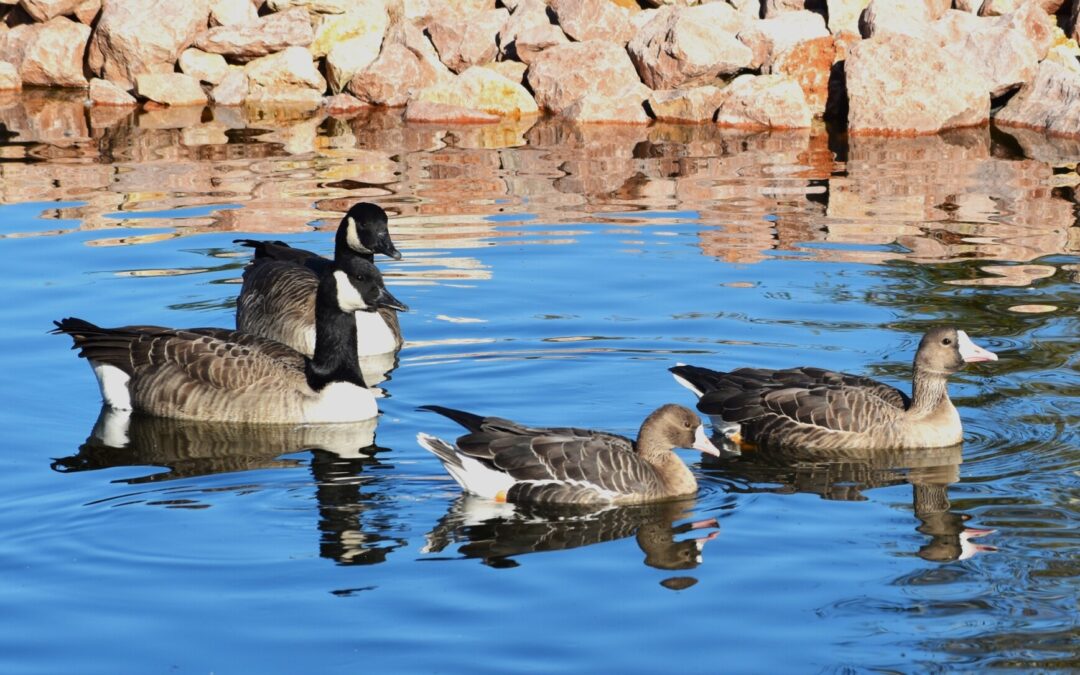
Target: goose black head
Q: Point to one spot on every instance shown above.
(364, 230)
(946, 349)
(359, 287)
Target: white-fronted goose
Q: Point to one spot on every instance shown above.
(215, 374)
(277, 300)
(505, 461)
(815, 409)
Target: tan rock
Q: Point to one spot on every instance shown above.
(232, 90)
(482, 89)
(955, 26)
(367, 19)
(900, 84)
(844, 15)
(467, 41)
(562, 74)
(593, 20)
(170, 89)
(9, 77)
(142, 36)
(1048, 103)
(1002, 7)
(1064, 55)
(271, 33)
(87, 11)
(774, 8)
(43, 10)
(203, 66)
(528, 14)
(511, 70)
(431, 111)
(1033, 22)
(888, 16)
(532, 41)
(232, 12)
(313, 6)
(810, 64)
(103, 92)
(597, 109)
(967, 5)
(696, 104)
(769, 37)
(406, 64)
(687, 45)
(288, 77)
(763, 102)
(1004, 57)
(47, 54)
(341, 104)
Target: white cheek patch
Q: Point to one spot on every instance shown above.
(349, 299)
(114, 385)
(352, 237)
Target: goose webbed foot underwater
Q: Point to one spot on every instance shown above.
(216, 374)
(506, 461)
(815, 409)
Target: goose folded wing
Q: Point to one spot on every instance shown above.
(834, 408)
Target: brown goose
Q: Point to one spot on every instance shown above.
(814, 409)
(505, 461)
(277, 299)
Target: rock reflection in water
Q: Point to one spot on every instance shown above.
(844, 476)
(497, 532)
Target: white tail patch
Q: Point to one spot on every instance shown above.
(348, 297)
(114, 385)
(686, 383)
(373, 336)
(472, 476)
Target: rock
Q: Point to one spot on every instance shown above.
(202, 66)
(483, 89)
(232, 12)
(593, 20)
(562, 74)
(772, 36)
(809, 63)
(1002, 7)
(143, 36)
(937, 8)
(87, 11)
(48, 54)
(900, 84)
(1004, 57)
(955, 26)
(406, 64)
(888, 16)
(774, 8)
(348, 58)
(1064, 55)
(340, 104)
(288, 77)
(688, 45)
(170, 89)
(271, 33)
(1049, 103)
(430, 111)
(763, 101)
(232, 90)
(697, 104)
(599, 109)
(368, 19)
(44, 10)
(511, 70)
(468, 41)
(313, 6)
(1033, 22)
(528, 14)
(1072, 22)
(844, 15)
(103, 92)
(9, 77)
(532, 41)
(967, 5)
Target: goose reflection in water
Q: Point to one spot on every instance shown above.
(497, 532)
(844, 475)
(342, 465)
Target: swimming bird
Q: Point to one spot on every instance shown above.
(277, 300)
(506, 461)
(816, 409)
(216, 374)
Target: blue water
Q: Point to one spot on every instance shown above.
(554, 274)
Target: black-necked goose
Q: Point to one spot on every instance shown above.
(816, 409)
(215, 374)
(277, 299)
(505, 461)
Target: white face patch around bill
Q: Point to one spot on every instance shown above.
(352, 237)
(348, 298)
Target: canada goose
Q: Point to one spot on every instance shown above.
(505, 461)
(215, 374)
(277, 300)
(811, 409)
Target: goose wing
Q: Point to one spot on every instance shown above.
(277, 301)
(282, 252)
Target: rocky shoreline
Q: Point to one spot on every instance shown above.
(872, 67)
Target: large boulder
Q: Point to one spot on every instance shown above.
(445, 113)
(203, 66)
(367, 19)
(536, 39)
(48, 54)
(911, 17)
(406, 64)
(271, 33)
(463, 42)
(170, 89)
(232, 90)
(482, 89)
(105, 93)
(528, 14)
(1032, 21)
(696, 104)
(593, 20)
(624, 107)
(43, 10)
(1050, 103)
(771, 36)
(900, 84)
(689, 45)
(763, 102)
(810, 64)
(288, 77)
(560, 75)
(143, 36)
(1004, 57)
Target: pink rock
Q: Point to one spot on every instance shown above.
(528, 14)
(407, 63)
(103, 92)
(170, 89)
(560, 75)
(467, 41)
(9, 77)
(232, 90)
(48, 54)
(1048, 103)
(1004, 57)
(481, 88)
(202, 66)
(87, 11)
(142, 36)
(599, 109)
(429, 111)
(696, 104)
(904, 85)
(43, 10)
(271, 33)
(288, 77)
(809, 63)
(341, 104)
(774, 8)
(763, 102)
(772, 36)
(888, 16)
(532, 41)
(688, 45)
(1033, 22)
(954, 27)
(593, 20)
(1002, 7)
